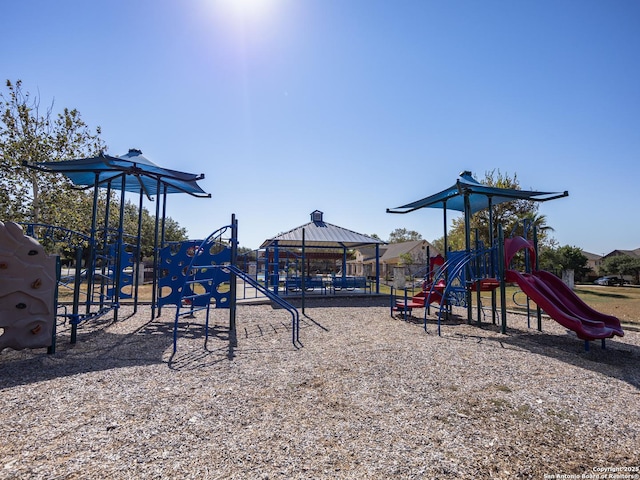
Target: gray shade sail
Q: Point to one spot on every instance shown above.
(480, 196)
(319, 234)
(139, 173)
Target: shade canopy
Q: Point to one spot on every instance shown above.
(320, 234)
(480, 196)
(139, 173)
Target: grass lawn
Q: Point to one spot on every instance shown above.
(621, 302)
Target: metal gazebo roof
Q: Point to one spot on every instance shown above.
(320, 234)
(139, 173)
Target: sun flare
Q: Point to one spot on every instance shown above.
(248, 9)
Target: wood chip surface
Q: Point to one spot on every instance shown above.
(368, 396)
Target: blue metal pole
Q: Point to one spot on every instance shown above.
(156, 265)
(391, 301)
(467, 241)
(377, 268)
(477, 278)
(303, 272)
(406, 301)
(266, 268)
(537, 265)
(138, 259)
(233, 282)
(276, 268)
(493, 259)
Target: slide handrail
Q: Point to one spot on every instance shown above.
(295, 315)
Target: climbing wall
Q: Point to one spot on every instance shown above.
(174, 273)
(27, 290)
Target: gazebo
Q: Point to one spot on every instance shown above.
(314, 238)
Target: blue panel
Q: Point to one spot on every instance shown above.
(173, 274)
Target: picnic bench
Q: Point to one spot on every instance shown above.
(350, 283)
(310, 283)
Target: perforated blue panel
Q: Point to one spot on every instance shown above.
(174, 265)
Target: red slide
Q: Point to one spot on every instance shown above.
(564, 306)
(557, 299)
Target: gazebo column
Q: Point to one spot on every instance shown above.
(276, 268)
(377, 268)
(267, 253)
(344, 261)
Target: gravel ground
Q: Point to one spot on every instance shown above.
(366, 396)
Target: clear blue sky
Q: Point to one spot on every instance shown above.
(352, 106)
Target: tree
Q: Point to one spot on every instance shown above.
(622, 265)
(564, 258)
(28, 134)
(400, 235)
(508, 214)
(26, 195)
(173, 232)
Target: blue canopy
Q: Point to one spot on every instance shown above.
(139, 173)
(480, 196)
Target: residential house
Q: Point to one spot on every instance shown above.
(396, 255)
(364, 262)
(593, 262)
(629, 253)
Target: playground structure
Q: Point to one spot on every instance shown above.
(556, 298)
(450, 283)
(192, 276)
(481, 268)
(197, 274)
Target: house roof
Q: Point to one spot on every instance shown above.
(591, 256)
(369, 253)
(320, 234)
(630, 253)
(394, 250)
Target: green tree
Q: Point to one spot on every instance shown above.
(400, 235)
(28, 133)
(173, 232)
(564, 258)
(406, 259)
(621, 265)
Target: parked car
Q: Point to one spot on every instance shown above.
(609, 280)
